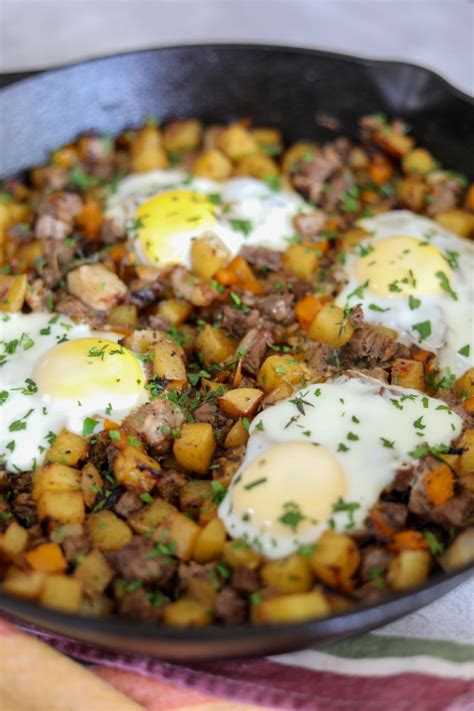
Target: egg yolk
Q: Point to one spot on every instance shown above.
(168, 222)
(87, 367)
(293, 477)
(402, 266)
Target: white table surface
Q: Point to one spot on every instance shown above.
(434, 33)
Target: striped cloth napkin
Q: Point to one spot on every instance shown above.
(424, 662)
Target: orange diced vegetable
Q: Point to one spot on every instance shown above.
(380, 170)
(90, 219)
(246, 279)
(469, 404)
(47, 558)
(306, 309)
(226, 276)
(408, 540)
(439, 485)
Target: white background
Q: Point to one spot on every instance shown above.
(435, 33)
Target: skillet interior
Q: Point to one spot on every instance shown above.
(294, 90)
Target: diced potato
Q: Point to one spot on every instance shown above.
(352, 238)
(335, 559)
(302, 260)
(91, 484)
(175, 311)
(408, 374)
(408, 568)
(23, 583)
(62, 593)
(280, 392)
(439, 485)
(28, 253)
(291, 608)
(412, 192)
(68, 448)
(125, 315)
(55, 477)
(419, 160)
(179, 530)
(467, 457)
(108, 532)
(208, 254)
(147, 519)
(192, 495)
(168, 361)
(182, 136)
(303, 151)
(195, 447)
(397, 144)
(241, 402)
(385, 331)
(268, 138)
(459, 221)
(460, 552)
(236, 142)
(214, 345)
(277, 369)
(135, 470)
(94, 572)
(288, 575)
(143, 341)
(14, 540)
(12, 292)
(96, 286)
(258, 166)
(90, 218)
(147, 152)
(100, 606)
(464, 386)
(212, 164)
(187, 612)
(237, 435)
(237, 553)
(210, 542)
(47, 558)
(61, 507)
(331, 326)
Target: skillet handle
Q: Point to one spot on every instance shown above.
(8, 78)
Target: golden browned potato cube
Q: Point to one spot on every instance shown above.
(94, 572)
(459, 221)
(14, 540)
(135, 470)
(268, 139)
(212, 164)
(291, 608)
(241, 402)
(187, 612)
(258, 166)
(277, 369)
(61, 593)
(335, 559)
(168, 361)
(12, 292)
(237, 435)
(147, 152)
(412, 192)
(96, 286)
(208, 254)
(91, 484)
(99, 606)
(419, 160)
(23, 583)
(302, 151)
(301, 260)
(408, 374)
(180, 531)
(68, 448)
(27, 254)
(214, 345)
(125, 315)
(195, 447)
(201, 589)
(108, 532)
(408, 568)
(236, 142)
(144, 340)
(352, 238)
(182, 136)
(467, 457)
(209, 542)
(331, 326)
(192, 495)
(460, 552)
(288, 575)
(61, 507)
(55, 477)
(280, 392)
(147, 519)
(464, 386)
(175, 311)
(238, 553)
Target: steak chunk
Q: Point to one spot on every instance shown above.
(154, 423)
(137, 560)
(254, 345)
(229, 607)
(263, 258)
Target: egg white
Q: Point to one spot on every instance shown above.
(35, 336)
(451, 319)
(370, 428)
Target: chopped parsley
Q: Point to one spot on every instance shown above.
(413, 303)
(89, 426)
(389, 444)
(423, 328)
(349, 507)
(445, 285)
(436, 547)
(243, 226)
(292, 515)
(465, 350)
(256, 482)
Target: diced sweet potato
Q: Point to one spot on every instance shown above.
(47, 558)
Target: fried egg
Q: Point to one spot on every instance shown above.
(416, 277)
(320, 460)
(56, 373)
(163, 211)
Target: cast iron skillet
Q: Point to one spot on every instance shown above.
(294, 90)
